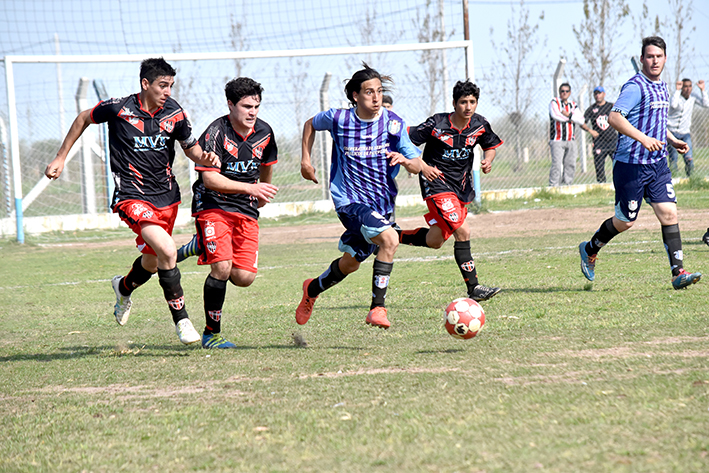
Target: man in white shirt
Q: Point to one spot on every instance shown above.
(679, 120)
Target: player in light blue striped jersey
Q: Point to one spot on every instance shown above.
(369, 145)
(640, 168)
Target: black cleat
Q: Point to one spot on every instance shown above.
(483, 293)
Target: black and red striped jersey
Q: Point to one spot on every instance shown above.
(143, 148)
(241, 158)
(451, 151)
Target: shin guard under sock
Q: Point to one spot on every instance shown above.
(135, 278)
(603, 235)
(673, 245)
(175, 297)
(415, 237)
(214, 294)
(326, 280)
(380, 282)
(466, 264)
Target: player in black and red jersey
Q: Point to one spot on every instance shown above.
(446, 183)
(142, 130)
(226, 199)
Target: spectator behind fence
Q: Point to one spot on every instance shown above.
(563, 114)
(604, 136)
(679, 120)
(387, 102)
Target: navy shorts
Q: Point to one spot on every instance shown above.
(635, 182)
(361, 224)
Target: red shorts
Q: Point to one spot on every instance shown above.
(446, 212)
(228, 236)
(136, 213)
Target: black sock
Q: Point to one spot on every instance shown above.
(415, 237)
(673, 246)
(214, 294)
(380, 282)
(326, 280)
(135, 278)
(175, 297)
(603, 235)
(466, 264)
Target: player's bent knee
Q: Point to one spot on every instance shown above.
(348, 264)
(242, 278)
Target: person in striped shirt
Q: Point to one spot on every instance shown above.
(640, 168)
(564, 114)
(369, 145)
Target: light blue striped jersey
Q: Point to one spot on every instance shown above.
(360, 172)
(645, 104)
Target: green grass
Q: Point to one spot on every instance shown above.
(566, 375)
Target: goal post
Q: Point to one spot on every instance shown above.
(358, 52)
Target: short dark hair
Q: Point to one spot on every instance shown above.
(387, 99)
(461, 89)
(363, 75)
(237, 89)
(156, 67)
(565, 84)
(687, 80)
(653, 41)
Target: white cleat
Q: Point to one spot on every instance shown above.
(123, 303)
(185, 330)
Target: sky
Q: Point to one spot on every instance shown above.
(27, 27)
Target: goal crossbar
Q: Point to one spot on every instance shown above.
(10, 60)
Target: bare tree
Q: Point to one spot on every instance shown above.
(597, 38)
(427, 25)
(239, 40)
(643, 19)
(678, 36)
(514, 75)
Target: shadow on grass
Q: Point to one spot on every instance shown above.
(437, 352)
(545, 289)
(117, 351)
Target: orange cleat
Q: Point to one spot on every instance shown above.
(378, 318)
(305, 308)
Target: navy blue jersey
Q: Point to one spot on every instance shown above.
(241, 158)
(142, 148)
(451, 151)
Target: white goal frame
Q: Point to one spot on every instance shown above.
(10, 60)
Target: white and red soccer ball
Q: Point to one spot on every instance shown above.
(464, 318)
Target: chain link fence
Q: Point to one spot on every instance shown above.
(291, 96)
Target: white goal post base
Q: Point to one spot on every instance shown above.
(103, 221)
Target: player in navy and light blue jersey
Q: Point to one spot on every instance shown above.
(370, 143)
(640, 168)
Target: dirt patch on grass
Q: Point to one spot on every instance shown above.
(517, 223)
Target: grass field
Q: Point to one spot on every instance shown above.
(566, 376)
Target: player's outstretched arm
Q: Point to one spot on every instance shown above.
(81, 123)
(201, 157)
(622, 125)
(306, 168)
(679, 145)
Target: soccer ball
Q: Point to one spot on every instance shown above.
(464, 318)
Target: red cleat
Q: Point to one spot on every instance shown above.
(378, 318)
(305, 308)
